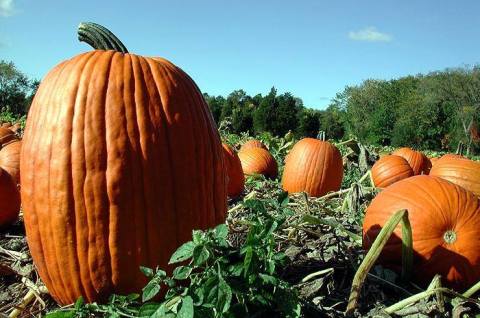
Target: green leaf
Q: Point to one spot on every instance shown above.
(182, 272)
(200, 255)
(186, 310)
(224, 296)
(269, 279)
(183, 253)
(150, 290)
(283, 199)
(79, 303)
(147, 271)
(221, 231)
(61, 314)
(147, 310)
(247, 260)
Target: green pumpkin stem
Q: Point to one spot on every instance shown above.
(99, 37)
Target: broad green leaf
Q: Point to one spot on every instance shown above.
(186, 309)
(200, 255)
(182, 272)
(183, 253)
(221, 231)
(224, 296)
(150, 290)
(147, 271)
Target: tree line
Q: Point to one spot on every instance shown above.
(437, 111)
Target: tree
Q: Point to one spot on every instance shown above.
(16, 89)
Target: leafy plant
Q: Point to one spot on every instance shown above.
(213, 278)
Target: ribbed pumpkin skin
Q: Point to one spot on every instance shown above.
(9, 200)
(120, 160)
(390, 169)
(253, 143)
(417, 160)
(10, 160)
(236, 179)
(434, 206)
(459, 170)
(258, 161)
(314, 167)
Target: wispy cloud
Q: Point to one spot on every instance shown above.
(6, 8)
(369, 34)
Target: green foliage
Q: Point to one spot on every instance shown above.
(213, 278)
(16, 89)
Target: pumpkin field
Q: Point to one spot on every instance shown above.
(120, 196)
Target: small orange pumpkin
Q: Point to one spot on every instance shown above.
(253, 143)
(390, 169)
(10, 160)
(6, 136)
(258, 161)
(236, 179)
(445, 221)
(417, 160)
(314, 166)
(459, 170)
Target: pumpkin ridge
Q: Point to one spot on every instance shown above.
(78, 121)
(53, 271)
(161, 72)
(73, 252)
(311, 161)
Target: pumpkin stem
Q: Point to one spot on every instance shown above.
(99, 37)
(450, 237)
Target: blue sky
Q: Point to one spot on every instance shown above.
(312, 49)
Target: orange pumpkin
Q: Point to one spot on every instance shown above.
(9, 200)
(433, 160)
(258, 161)
(15, 127)
(445, 221)
(459, 170)
(6, 136)
(417, 160)
(253, 143)
(390, 169)
(236, 179)
(314, 167)
(120, 161)
(10, 160)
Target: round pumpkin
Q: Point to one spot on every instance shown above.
(10, 160)
(433, 160)
(236, 179)
(258, 161)
(6, 125)
(120, 161)
(459, 170)
(6, 136)
(445, 221)
(9, 200)
(390, 169)
(417, 160)
(253, 143)
(313, 166)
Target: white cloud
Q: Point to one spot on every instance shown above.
(6, 8)
(369, 34)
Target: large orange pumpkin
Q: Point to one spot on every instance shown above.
(314, 167)
(9, 199)
(417, 160)
(121, 160)
(459, 170)
(445, 221)
(390, 169)
(10, 160)
(253, 143)
(236, 179)
(258, 161)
